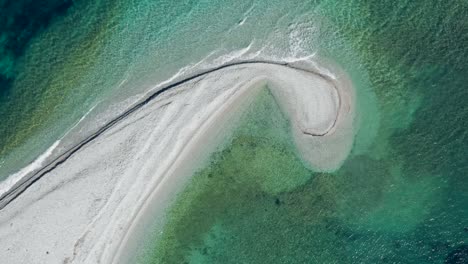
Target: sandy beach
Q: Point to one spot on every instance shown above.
(89, 208)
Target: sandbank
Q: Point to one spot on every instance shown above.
(89, 209)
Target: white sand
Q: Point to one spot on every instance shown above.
(86, 210)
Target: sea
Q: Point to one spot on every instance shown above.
(401, 196)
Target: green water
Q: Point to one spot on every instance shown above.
(238, 195)
(257, 203)
(48, 89)
(400, 197)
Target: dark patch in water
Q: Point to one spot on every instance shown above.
(4, 84)
(277, 201)
(20, 21)
(458, 256)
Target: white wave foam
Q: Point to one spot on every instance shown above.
(36, 164)
(39, 162)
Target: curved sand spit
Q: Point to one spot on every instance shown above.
(88, 208)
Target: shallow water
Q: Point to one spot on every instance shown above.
(256, 202)
(400, 197)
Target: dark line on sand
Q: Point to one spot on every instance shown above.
(22, 185)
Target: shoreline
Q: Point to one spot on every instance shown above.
(218, 124)
(20, 185)
(179, 166)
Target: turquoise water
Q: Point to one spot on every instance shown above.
(256, 202)
(400, 197)
(107, 51)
